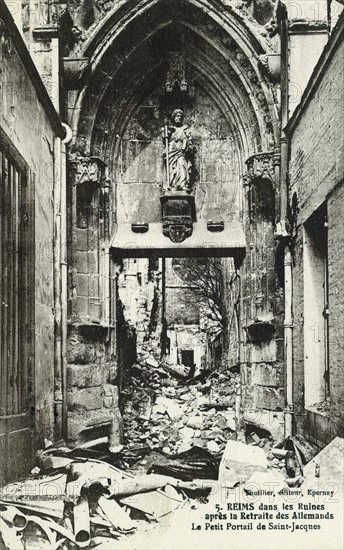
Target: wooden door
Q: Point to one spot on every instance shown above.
(17, 332)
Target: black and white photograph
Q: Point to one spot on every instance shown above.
(171, 274)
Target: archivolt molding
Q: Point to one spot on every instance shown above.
(222, 29)
(229, 14)
(218, 85)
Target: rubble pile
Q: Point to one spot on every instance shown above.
(80, 499)
(165, 409)
(72, 503)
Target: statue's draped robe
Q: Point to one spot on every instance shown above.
(178, 165)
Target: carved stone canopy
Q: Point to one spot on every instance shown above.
(176, 75)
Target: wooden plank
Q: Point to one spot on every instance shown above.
(2, 368)
(16, 366)
(4, 328)
(21, 297)
(10, 320)
(31, 287)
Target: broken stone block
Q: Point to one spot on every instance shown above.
(195, 422)
(221, 422)
(201, 399)
(211, 434)
(186, 397)
(330, 464)
(187, 433)
(198, 442)
(281, 454)
(185, 446)
(170, 391)
(231, 420)
(158, 409)
(179, 425)
(213, 447)
(174, 411)
(240, 461)
(151, 362)
(271, 421)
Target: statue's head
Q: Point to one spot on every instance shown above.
(177, 117)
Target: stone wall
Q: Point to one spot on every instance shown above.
(229, 104)
(316, 168)
(92, 398)
(30, 127)
(261, 354)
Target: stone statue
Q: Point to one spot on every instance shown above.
(179, 150)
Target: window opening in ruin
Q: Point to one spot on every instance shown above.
(84, 205)
(316, 312)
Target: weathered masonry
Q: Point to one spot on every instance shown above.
(135, 67)
(191, 131)
(30, 140)
(317, 206)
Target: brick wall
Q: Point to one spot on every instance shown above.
(317, 161)
(316, 169)
(335, 210)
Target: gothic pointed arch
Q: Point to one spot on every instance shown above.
(128, 47)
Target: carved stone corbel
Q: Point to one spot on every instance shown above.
(178, 215)
(74, 71)
(87, 169)
(271, 65)
(260, 167)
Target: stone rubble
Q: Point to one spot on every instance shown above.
(163, 409)
(98, 505)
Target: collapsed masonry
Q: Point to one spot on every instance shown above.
(93, 499)
(176, 381)
(170, 397)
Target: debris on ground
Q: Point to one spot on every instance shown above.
(181, 436)
(86, 501)
(240, 461)
(165, 409)
(328, 465)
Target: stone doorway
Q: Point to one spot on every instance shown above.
(178, 351)
(205, 63)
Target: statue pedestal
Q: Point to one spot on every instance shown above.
(178, 214)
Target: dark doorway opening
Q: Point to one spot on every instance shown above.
(187, 357)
